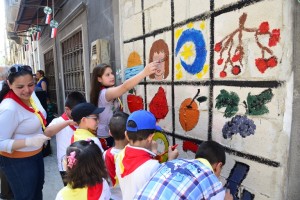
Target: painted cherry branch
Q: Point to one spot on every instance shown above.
(238, 55)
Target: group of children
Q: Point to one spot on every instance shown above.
(128, 169)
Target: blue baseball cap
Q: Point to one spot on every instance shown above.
(144, 120)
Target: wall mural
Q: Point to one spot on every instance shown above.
(220, 78)
(134, 65)
(134, 102)
(191, 51)
(235, 53)
(159, 105)
(189, 112)
(160, 52)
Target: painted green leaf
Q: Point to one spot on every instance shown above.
(131, 91)
(256, 103)
(228, 100)
(201, 99)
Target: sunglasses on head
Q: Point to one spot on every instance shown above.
(17, 68)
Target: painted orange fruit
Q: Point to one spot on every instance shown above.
(188, 114)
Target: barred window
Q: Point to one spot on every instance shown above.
(73, 69)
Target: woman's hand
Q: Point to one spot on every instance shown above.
(72, 123)
(36, 141)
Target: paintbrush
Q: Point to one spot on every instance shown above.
(159, 157)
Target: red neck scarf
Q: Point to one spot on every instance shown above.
(95, 192)
(133, 158)
(65, 117)
(32, 109)
(110, 165)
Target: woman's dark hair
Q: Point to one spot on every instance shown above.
(160, 46)
(73, 99)
(117, 125)
(14, 72)
(138, 135)
(96, 86)
(89, 168)
(211, 151)
(41, 72)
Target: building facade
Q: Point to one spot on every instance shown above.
(228, 73)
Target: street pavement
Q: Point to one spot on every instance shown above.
(53, 182)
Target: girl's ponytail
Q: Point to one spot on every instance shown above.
(4, 91)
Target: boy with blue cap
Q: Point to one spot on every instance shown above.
(135, 164)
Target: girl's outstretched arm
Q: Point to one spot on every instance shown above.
(115, 92)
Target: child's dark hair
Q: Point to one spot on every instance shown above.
(140, 134)
(211, 151)
(117, 125)
(14, 72)
(96, 86)
(89, 167)
(73, 99)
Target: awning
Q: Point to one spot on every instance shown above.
(31, 13)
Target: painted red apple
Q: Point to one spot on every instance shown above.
(272, 62)
(274, 38)
(220, 61)
(134, 102)
(261, 64)
(223, 74)
(159, 105)
(264, 27)
(236, 57)
(218, 47)
(236, 70)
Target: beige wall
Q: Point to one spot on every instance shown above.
(261, 33)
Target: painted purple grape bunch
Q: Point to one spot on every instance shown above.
(239, 124)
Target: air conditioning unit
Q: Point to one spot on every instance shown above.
(100, 53)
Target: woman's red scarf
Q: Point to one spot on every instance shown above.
(32, 109)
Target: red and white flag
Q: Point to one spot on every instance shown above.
(53, 32)
(33, 36)
(48, 19)
(38, 35)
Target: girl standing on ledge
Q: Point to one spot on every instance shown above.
(105, 94)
